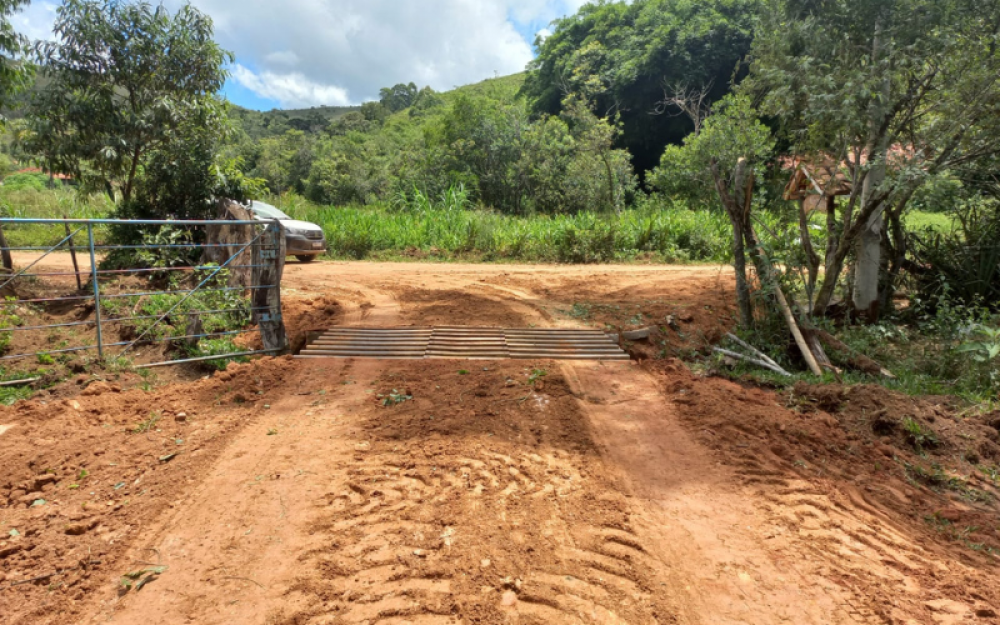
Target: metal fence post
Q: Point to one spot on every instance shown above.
(97, 290)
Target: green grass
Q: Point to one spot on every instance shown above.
(917, 220)
(665, 235)
(50, 204)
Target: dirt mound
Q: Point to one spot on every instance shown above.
(686, 314)
(455, 307)
(80, 478)
(935, 429)
(878, 481)
(303, 315)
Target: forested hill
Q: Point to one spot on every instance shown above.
(482, 141)
(260, 124)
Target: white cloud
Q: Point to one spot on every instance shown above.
(312, 52)
(285, 57)
(35, 20)
(293, 90)
(355, 47)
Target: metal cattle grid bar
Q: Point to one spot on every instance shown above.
(464, 343)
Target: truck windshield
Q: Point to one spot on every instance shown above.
(266, 211)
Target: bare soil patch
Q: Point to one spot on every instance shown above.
(80, 479)
(897, 496)
(482, 499)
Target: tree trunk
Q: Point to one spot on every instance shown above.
(735, 213)
(225, 241)
(8, 261)
(740, 265)
(869, 265)
(763, 267)
(812, 258)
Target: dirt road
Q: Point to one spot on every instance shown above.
(429, 492)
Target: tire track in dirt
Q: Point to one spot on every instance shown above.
(729, 591)
(429, 533)
(232, 544)
(584, 501)
(849, 540)
(703, 527)
(228, 544)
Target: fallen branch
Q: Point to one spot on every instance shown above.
(793, 325)
(786, 311)
(17, 382)
(752, 349)
(855, 359)
(753, 361)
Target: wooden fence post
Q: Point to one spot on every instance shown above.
(269, 265)
(5, 256)
(72, 253)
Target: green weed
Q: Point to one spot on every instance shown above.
(395, 398)
(536, 375)
(444, 227)
(919, 436)
(148, 424)
(957, 534)
(936, 478)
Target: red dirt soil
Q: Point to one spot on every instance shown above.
(362, 491)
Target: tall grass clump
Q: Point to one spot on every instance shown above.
(444, 227)
(31, 203)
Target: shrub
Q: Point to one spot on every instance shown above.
(962, 265)
(22, 182)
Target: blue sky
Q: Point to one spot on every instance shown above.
(300, 53)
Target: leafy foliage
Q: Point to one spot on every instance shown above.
(623, 56)
(165, 316)
(893, 94)
(8, 319)
(14, 73)
(129, 83)
(962, 264)
(482, 139)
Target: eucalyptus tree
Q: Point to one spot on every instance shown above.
(132, 88)
(893, 92)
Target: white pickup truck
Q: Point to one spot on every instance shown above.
(303, 240)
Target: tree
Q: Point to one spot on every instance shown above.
(892, 93)
(622, 57)
(14, 72)
(594, 140)
(723, 155)
(131, 86)
(374, 112)
(400, 97)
